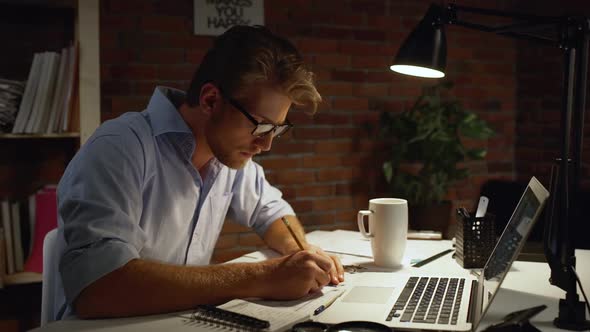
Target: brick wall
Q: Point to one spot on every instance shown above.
(540, 87)
(330, 165)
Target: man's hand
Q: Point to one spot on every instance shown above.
(337, 271)
(296, 275)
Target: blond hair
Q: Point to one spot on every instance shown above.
(245, 55)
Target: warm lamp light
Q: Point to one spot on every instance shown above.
(417, 71)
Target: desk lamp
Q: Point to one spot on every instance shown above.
(423, 54)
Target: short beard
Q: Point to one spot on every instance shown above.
(224, 155)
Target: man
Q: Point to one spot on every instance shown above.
(142, 203)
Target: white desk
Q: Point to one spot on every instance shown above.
(525, 286)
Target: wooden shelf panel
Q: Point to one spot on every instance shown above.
(34, 136)
(22, 278)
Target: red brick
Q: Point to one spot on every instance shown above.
(114, 56)
(318, 219)
(173, 72)
(295, 177)
(335, 88)
(133, 72)
(312, 133)
(315, 46)
(162, 56)
(350, 104)
(369, 35)
(195, 56)
(172, 24)
(116, 88)
(354, 47)
(341, 174)
(133, 7)
(332, 33)
(349, 75)
(301, 205)
(280, 163)
(332, 204)
(118, 23)
(128, 104)
(331, 60)
(371, 62)
(291, 147)
(321, 161)
(307, 191)
(371, 90)
(333, 147)
(332, 118)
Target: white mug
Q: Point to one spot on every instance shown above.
(388, 229)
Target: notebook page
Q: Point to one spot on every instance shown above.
(283, 314)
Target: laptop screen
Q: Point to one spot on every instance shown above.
(512, 240)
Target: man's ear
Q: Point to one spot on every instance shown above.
(208, 98)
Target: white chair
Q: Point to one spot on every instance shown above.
(51, 288)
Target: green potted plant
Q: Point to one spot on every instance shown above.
(427, 147)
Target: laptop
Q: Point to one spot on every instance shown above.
(429, 301)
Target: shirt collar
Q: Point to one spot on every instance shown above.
(163, 113)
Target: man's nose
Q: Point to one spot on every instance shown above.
(264, 142)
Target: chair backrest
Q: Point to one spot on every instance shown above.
(50, 277)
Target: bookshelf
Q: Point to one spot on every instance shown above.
(30, 161)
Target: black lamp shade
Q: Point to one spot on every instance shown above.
(424, 52)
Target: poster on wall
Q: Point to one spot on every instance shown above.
(213, 17)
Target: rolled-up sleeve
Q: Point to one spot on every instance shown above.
(100, 204)
(256, 203)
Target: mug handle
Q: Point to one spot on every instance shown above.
(361, 224)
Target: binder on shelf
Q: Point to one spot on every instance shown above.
(16, 237)
(45, 221)
(7, 225)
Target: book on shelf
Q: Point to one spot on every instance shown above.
(7, 225)
(48, 101)
(45, 221)
(25, 106)
(16, 236)
(70, 110)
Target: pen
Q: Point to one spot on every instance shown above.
(325, 306)
(292, 233)
(431, 258)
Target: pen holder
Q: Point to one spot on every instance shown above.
(474, 240)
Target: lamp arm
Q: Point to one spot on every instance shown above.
(523, 30)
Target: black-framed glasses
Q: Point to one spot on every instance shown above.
(261, 129)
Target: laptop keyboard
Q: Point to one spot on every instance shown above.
(429, 300)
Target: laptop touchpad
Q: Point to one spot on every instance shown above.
(363, 294)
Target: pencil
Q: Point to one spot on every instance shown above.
(292, 233)
(431, 258)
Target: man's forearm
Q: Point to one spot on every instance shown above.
(278, 237)
(144, 287)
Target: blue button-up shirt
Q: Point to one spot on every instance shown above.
(132, 192)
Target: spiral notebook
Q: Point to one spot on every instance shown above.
(221, 317)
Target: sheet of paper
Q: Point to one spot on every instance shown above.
(284, 314)
(342, 242)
